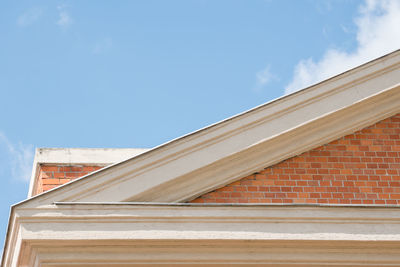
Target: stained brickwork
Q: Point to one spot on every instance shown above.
(360, 168)
(53, 175)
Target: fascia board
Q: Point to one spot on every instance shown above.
(130, 226)
(124, 221)
(196, 163)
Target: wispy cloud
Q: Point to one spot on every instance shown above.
(102, 46)
(30, 16)
(345, 29)
(378, 33)
(323, 7)
(18, 158)
(64, 19)
(264, 77)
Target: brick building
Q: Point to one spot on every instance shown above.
(309, 179)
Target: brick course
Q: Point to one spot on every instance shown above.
(53, 175)
(360, 168)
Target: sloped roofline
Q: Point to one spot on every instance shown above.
(216, 155)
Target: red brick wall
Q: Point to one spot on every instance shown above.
(360, 168)
(53, 175)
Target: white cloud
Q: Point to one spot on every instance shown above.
(378, 33)
(30, 16)
(102, 46)
(264, 77)
(19, 158)
(64, 19)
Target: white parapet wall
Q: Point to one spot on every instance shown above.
(98, 156)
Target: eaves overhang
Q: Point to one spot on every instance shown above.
(108, 234)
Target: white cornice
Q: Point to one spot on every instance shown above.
(212, 157)
(108, 234)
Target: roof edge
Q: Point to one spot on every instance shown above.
(226, 138)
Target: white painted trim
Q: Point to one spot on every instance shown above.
(191, 253)
(133, 234)
(99, 156)
(85, 155)
(212, 157)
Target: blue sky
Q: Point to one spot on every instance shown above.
(139, 73)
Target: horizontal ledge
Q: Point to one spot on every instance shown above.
(233, 204)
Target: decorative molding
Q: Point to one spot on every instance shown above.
(217, 253)
(107, 234)
(217, 155)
